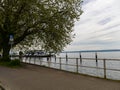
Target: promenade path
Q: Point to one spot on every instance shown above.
(31, 77)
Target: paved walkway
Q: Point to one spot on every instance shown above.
(33, 77)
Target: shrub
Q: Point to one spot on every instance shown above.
(15, 62)
(12, 63)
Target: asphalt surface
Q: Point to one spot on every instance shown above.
(31, 77)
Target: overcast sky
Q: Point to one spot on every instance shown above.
(98, 27)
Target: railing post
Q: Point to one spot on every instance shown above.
(20, 57)
(25, 60)
(60, 62)
(96, 59)
(34, 60)
(48, 58)
(55, 58)
(40, 60)
(66, 57)
(104, 62)
(29, 60)
(77, 65)
(29, 57)
(80, 59)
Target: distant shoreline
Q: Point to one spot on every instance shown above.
(106, 50)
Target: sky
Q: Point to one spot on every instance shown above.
(98, 27)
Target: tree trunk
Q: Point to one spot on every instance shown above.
(6, 49)
(5, 56)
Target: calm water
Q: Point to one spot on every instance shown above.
(92, 63)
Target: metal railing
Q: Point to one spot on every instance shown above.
(77, 63)
(97, 67)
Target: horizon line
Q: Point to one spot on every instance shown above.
(103, 50)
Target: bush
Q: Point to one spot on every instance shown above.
(6, 59)
(15, 62)
(12, 63)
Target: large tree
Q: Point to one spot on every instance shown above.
(47, 22)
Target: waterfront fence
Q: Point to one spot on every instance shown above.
(61, 62)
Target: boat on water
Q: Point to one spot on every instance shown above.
(35, 53)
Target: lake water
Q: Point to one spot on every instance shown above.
(70, 65)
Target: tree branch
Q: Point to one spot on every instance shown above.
(18, 13)
(24, 35)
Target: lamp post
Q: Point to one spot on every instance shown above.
(11, 42)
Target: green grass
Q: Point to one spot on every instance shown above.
(13, 63)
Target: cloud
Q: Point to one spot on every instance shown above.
(116, 26)
(104, 21)
(94, 42)
(99, 26)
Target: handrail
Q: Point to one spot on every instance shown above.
(91, 58)
(77, 63)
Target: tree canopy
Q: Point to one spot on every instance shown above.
(49, 23)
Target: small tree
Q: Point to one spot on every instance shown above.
(47, 22)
